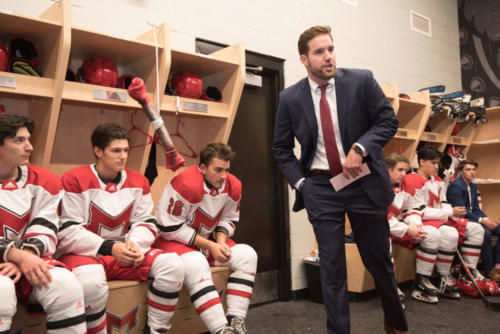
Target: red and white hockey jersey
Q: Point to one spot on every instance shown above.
(189, 206)
(28, 209)
(427, 197)
(93, 211)
(397, 213)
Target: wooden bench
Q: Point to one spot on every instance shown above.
(360, 280)
(127, 309)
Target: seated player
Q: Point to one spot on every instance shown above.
(198, 213)
(427, 198)
(108, 228)
(29, 197)
(463, 192)
(408, 231)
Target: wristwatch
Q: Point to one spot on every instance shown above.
(357, 149)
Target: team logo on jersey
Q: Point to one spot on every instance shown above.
(434, 200)
(128, 321)
(12, 224)
(9, 185)
(202, 220)
(106, 225)
(111, 188)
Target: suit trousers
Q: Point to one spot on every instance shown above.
(326, 210)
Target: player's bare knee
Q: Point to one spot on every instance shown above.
(9, 300)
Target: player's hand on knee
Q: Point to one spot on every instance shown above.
(35, 269)
(123, 254)
(219, 252)
(9, 269)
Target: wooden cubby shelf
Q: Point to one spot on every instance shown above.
(66, 112)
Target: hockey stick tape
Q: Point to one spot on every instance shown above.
(157, 123)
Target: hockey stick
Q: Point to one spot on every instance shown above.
(137, 90)
(489, 304)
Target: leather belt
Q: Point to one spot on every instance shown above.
(320, 171)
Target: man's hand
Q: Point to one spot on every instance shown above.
(416, 232)
(459, 211)
(9, 269)
(132, 246)
(220, 251)
(123, 254)
(490, 224)
(352, 164)
(35, 269)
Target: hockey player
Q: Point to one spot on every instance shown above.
(198, 212)
(428, 200)
(411, 233)
(108, 227)
(29, 197)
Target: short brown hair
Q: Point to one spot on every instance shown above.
(309, 34)
(461, 164)
(392, 160)
(105, 133)
(9, 124)
(216, 150)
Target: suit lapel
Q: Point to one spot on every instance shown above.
(340, 92)
(308, 107)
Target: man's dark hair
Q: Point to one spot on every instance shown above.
(9, 124)
(106, 133)
(428, 153)
(462, 164)
(309, 34)
(392, 160)
(216, 150)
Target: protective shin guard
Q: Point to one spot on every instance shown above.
(92, 278)
(471, 249)
(65, 311)
(8, 304)
(168, 273)
(243, 262)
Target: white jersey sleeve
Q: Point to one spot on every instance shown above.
(231, 214)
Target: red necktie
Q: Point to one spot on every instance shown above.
(332, 153)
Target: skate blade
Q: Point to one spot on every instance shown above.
(417, 295)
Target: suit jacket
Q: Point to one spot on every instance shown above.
(458, 195)
(365, 116)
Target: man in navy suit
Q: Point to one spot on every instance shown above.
(463, 192)
(342, 120)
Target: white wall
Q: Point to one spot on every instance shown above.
(375, 35)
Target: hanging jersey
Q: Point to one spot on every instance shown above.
(28, 209)
(427, 197)
(94, 211)
(189, 206)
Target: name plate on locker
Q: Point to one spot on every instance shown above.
(457, 140)
(8, 82)
(402, 133)
(431, 137)
(194, 106)
(109, 95)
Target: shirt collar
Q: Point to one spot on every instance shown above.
(315, 86)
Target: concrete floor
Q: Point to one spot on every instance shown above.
(465, 316)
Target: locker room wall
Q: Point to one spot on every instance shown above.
(374, 35)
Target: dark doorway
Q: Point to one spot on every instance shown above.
(264, 210)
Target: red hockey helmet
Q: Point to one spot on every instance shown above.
(4, 59)
(187, 84)
(99, 70)
(22, 50)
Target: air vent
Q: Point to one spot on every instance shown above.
(420, 23)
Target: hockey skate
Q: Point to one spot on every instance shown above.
(424, 290)
(448, 288)
(238, 324)
(226, 330)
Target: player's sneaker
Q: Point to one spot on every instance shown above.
(238, 324)
(448, 288)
